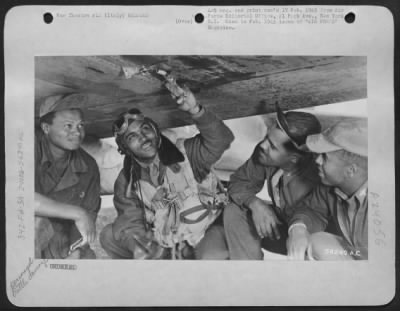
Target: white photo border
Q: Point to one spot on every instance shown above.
(133, 283)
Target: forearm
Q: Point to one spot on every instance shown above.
(206, 148)
(246, 182)
(47, 207)
(314, 210)
(241, 196)
(314, 221)
(215, 135)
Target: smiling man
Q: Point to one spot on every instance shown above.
(280, 159)
(343, 168)
(67, 182)
(166, 195)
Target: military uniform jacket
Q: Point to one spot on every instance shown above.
(78, 185)
(249, 180)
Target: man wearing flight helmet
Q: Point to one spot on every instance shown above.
(166, 195)
(282, 160)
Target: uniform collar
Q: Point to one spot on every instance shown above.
(360, 194)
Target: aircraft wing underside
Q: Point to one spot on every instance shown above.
(231, 86)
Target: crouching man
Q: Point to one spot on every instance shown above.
(166, 195)
(67, 182)
(343, 168)
(282, 160)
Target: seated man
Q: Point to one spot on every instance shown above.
(67, 182)
(343, 168)
(166, 194)
(291, 174)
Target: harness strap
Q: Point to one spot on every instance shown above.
(184, 214)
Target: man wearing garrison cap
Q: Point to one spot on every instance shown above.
(67, 182)
(343, 168)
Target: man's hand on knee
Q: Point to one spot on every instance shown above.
(265, 219)
(86, 227)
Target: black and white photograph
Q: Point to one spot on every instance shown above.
(222, 157)
(111, 127)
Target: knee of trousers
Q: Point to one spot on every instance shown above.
(221, 254)
(106, 237)
(321, 241)
(213, 245)
(233, 214)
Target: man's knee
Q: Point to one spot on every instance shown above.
(106, 236)
(232, 215)
(113, 247)
(88, 253)
(213, 245)
(116, 249)
(318, 242)
(327, 246)
(212, 254)
(43, 234)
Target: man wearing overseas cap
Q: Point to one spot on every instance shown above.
(282, 160)
(166, 195)
(67, 182)
(343, 197)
